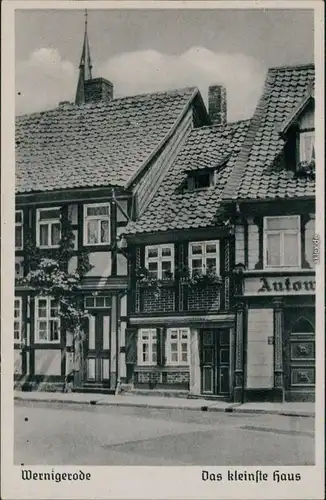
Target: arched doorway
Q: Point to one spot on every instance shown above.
(299, 356)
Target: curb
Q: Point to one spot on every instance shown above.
(205, 408)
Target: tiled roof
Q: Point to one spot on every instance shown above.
(206, 147)
(256, 175)
(95, 144)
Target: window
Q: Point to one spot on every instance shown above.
(200, 179)
(17, 319)
(47, 320)
(98, 301)
(147, 346)
(97, 224)
(48, 227)
(159, 260)
(203, 257)
(307, 146)
(19, 229)
(282, 241)
(177, 346)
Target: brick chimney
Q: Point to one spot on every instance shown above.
(217, 108)
(98, 89)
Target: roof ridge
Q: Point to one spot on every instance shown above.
(243, 155)
(72, 105)
(295, 66)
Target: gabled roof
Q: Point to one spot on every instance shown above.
(257, 173)
(206, 147)
(98, 144)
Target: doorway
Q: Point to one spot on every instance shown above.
(215, 361)
(97, 352)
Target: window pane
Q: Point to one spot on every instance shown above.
(174, 357)
(55, 234)
(96, 211)
(291, 250)
(54, 330)
(16, 330)
(145, 353)
(152, 267)
(184, 347)
(273, 249)
(49, 214)
(154, 353)
(54, 308)
(104, 231)
(89, 301)
(44, 233)
(18, 217)
(42, 330)
(196, 249)
(211, 264)
(174, 347)
(166, 252)
(211, 248)
(42, 308)
(184, 357)
(152, 252)
(277, 223)
(18, 236)
(92, 231)
(99, 301)
(306, 146)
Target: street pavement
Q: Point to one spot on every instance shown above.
(69, 434)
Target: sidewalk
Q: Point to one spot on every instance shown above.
(289, 409)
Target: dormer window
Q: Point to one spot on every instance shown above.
(200, 179)
(307, 146)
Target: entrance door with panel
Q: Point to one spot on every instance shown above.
(97, 355)
(215, 355)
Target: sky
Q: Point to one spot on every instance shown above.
(148, 50)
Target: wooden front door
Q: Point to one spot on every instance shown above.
(215, 364)
(97, 355)
(299, 357)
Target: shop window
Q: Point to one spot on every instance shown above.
(147, 346)
(48, 227)
(177, 346)
(47, 320)
(17, 319)
(18, 229)
(97, 224)
(97, 301)
(204, 257)
(282, 242)
(159, 260)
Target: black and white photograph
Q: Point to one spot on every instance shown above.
(165, 300)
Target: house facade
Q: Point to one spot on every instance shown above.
(90, 166)
(180, 335)
(270, 196)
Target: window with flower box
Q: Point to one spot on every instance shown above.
(97, 224)
(48, 227)
(17, 319)
(19, 230)
(159, 260)
(147, 346)
(177, 346)
(204, 257)
(282, 242)
(47, 320)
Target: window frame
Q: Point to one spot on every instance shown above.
(160, 259)
(180, 341)
(302, 135)
(93, 217)
(140, 342)
(47, 318)
(203, 256)
(194, 176)
(18, 319)
(49, 222)
(281, 233)
(21, 225)
(107, 301)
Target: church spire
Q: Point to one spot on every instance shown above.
(85, 67)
